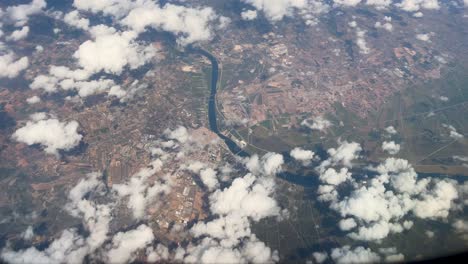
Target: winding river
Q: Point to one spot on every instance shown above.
(212, 111)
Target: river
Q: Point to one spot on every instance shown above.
(212, 111)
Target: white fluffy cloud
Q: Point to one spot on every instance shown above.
(302, 155)
(188, 24)
(276, 10)
(71, 247)
(28, 234)
(357, 255)
(19, 34)
(116, 8)
(318, 123)
(51, 133)
(19, 14)
(85, 202)
(96, 217)
(74, 19)
(228, 237)
(11, 68)
(111, 51)
(453, 132)
(380, 207)
(320, 257)
(208, 177)
(33, 100)
(391, 196)
(156, 254)
(416, 5)
(391, 130)
(387, 25)
(125, 244)
(140, 192)
(424, 37)
(391, 254)
(361, 41)
(347, 3)
(344, 154)
(391, 147)
(247, 196)
(269, 164)
(379, 4)
(180, 134)
(249, 15)
(347, 224)
(67, 248)
(333, 177)
(64, 78)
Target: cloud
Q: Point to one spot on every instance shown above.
(96, 217)
(156, 254)
(378, 208)
(125, 244)
(208, 177)
(347, 3)
(461, 227)
(19, 14)
(180, 134)
(249, 15)
(320, 257)
(140, 192)
(305, 156)
(395, 258)
(188, 24)
(64, 78)
(118, 92)
(68, 248)
(116, 8)
(269, 164)
(11, 68)
(230, 229)
(391, 254)
(51, 133)
(318, 123)
(387, 25)
(19, 34)
(438, 202)
(210, 251)
(228, 236)
(361, 41)
(38, 116)
(391, 147)
(453, 132)
(332, 177)
(344, 154)
(443, 98)
(391, 130)
(416, 5)
(423, 37)
(247, 196)
(347, 224)
(74, 19)
(71, 247)
(379, 4)
(28, 234)
(356, 255)
(33, 100)
(276, 10)
(111, 51)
